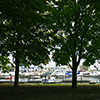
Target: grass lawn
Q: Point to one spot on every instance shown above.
(49, 92)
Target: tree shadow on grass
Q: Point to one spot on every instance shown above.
(49, 93)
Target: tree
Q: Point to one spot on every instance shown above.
(24, 36)
(75, 24)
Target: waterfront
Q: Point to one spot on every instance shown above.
(46, 76)
(49, 79)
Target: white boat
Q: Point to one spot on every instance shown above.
(6, 76)
(94, 73)
(58, 74)
(84, 73)
(48, 79)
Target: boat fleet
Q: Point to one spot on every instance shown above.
(38, 75)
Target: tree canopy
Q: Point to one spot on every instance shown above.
(23, 33)
(23, 28)
(76, 26)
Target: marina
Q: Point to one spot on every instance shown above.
(46, 79)
(50, 76)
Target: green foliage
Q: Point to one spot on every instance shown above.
(4, 61)
(76, 28)
(84, 66)
(23, 33)
(25, 36)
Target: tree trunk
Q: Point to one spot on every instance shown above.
(74, 77)
(16, 84)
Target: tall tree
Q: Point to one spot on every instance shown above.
(25, 37)
(76, 26)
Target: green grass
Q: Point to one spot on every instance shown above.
(49, 92)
